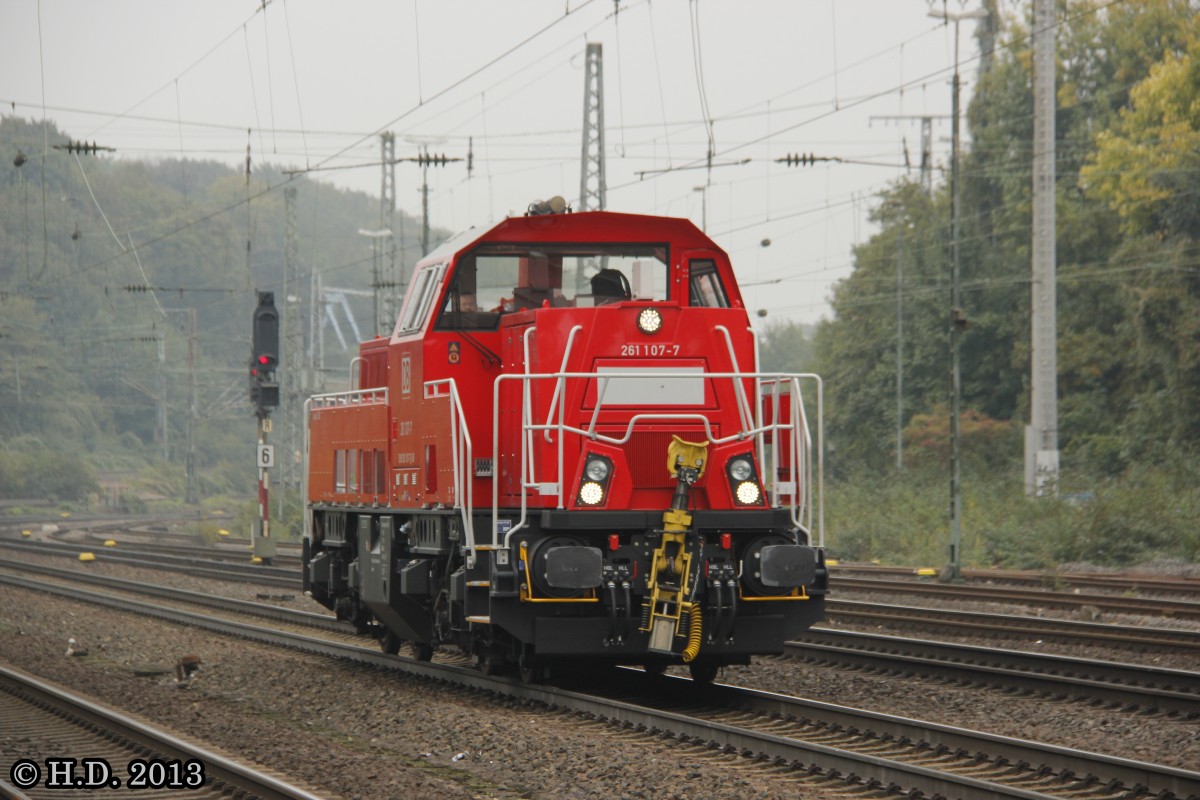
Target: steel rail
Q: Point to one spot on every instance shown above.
(1046, 579)
(222, 554)
(226, 776)
(276, 613)
(975, 622)
(1115, 776)
(849, 611)
(1132, 685)
(273, 576)
(1001, 594)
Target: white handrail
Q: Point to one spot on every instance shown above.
(740, 391)
(379, 394)
(558, 387)
(462, 460)
(800, 498)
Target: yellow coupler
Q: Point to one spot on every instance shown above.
(670, 567)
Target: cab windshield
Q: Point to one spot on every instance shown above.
(497, 279)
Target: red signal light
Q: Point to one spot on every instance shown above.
(263, 360)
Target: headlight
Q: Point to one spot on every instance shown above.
(747, 493)
(591, 493)
(649, 321)
(596, 470)
(740, 469)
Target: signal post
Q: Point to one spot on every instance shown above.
(264, 394)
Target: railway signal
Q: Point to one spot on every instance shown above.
(264, 394)
(264, 354)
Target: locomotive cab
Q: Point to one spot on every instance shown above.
(565, 452)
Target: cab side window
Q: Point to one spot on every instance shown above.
(706, 290)
(480, 292)
(420, 297)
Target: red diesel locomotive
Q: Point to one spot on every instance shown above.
(565, 453)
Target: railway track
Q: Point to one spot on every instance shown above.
(848, 612)
(800, 737)
(285, 557)
(1106, 603)
(206, 568)
(1008, 626)
(1124, 583)
(1125, 686)
(125, 752)
(1130, 687)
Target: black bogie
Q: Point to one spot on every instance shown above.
(406, 578)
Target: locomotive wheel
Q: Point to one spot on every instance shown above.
(390, 643)
(703, 671)
(492, 664)
(422, 651)
(490, 659)
(529, 672)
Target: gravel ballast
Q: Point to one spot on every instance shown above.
(355, 733)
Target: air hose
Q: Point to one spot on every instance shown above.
(695, 632)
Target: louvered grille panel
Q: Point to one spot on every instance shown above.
(646, 452)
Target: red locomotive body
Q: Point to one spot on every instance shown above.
(565, 452)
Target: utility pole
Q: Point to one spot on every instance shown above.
(161, 410)
(190, 496)
(926, 142)
(316, 310)
(378, 306)
(593, 186)
(392, 280)
(900, 354)
(958, 320)
(425, 161)
(293, 336)
(1041, 437)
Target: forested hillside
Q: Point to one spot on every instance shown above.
(1128, 160)
(101, 258)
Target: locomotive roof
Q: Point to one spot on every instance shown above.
(584, 226)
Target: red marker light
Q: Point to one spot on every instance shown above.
(263, 359)
(614, 541)
(726, 541)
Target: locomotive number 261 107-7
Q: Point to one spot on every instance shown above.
(639, 349)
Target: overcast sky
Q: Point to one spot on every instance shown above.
(316, 81)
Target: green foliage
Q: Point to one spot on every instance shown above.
(786, 347)
(903, 518)
(1128, 152)
(79, 353)
(44, 474)
(982, 440)
(288, 528)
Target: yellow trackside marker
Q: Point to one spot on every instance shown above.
(927, 572)
(111, 543)
(87, 556)
(27, 533)
(64, 514)
(255, 560)
(831, 562)
(222, 532)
